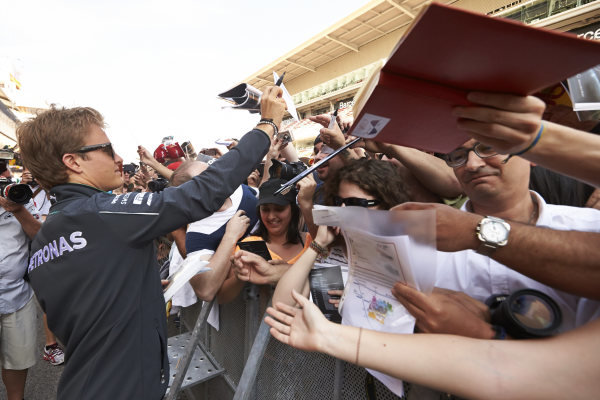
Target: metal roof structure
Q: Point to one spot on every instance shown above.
(382, 17)
(374, 20)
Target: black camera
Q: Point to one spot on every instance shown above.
(285, 137)
(524, 314)
(261, 168)
(286, 170)
(158, 185)
(19, 193)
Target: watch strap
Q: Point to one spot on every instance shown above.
(486, 249)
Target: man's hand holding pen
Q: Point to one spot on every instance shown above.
(272, 107)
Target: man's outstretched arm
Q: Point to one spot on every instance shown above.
(566, 260)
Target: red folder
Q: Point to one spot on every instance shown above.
(448, 52)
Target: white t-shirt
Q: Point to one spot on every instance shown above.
(480, 276)
(14, 259)
(41, 201)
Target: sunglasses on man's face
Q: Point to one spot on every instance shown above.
(105, 147)
(355, 201)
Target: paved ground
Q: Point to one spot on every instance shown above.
(42, 379)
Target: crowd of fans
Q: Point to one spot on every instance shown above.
(555, 261)
(502, 225)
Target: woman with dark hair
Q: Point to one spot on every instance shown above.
(378, 179)
(366, 183)
(279, 221)
(278, 227)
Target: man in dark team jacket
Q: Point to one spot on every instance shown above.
(92, 264)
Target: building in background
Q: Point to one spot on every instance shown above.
(327, 70)
(9, 87)
(12, 109)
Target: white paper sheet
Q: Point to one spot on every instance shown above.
(383, 247)
(192, 265)
(291, 107)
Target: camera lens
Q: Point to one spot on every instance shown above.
(18, 193)
(526, 313)
(286, 170)
(532, 311)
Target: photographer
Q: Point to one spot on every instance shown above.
(282, 153)
(52, 352)
(18, 224)
(93, 266)
(41, 198)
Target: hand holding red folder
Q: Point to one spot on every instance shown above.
(449, 52)
(508, 123)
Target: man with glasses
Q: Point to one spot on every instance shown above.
(497, 189)
(92, 264)
(511, 124)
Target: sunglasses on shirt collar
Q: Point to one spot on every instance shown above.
(355, 201)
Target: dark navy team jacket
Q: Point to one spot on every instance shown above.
(94, 271)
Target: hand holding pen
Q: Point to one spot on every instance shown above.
(272, 105)
(285, 188)
(331, 134)
(272, 108)
(280, 80)
(333, 120)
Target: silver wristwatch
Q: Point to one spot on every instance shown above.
(493, 233)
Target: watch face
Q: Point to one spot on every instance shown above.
(494, 232)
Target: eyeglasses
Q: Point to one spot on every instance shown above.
(460, 156)
(105, 147)
(355, 201)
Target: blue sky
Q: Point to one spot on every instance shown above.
(154, 68)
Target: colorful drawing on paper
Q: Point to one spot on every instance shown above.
(379, 309)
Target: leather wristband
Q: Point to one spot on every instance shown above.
(320, 250)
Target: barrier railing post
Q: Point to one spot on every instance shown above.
(246, 385)
(252, 294)
(338, 379)
(189, 352)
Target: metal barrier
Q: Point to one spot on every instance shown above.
(273, 370)
(185, 349)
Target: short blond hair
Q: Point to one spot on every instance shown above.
(44, 140)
